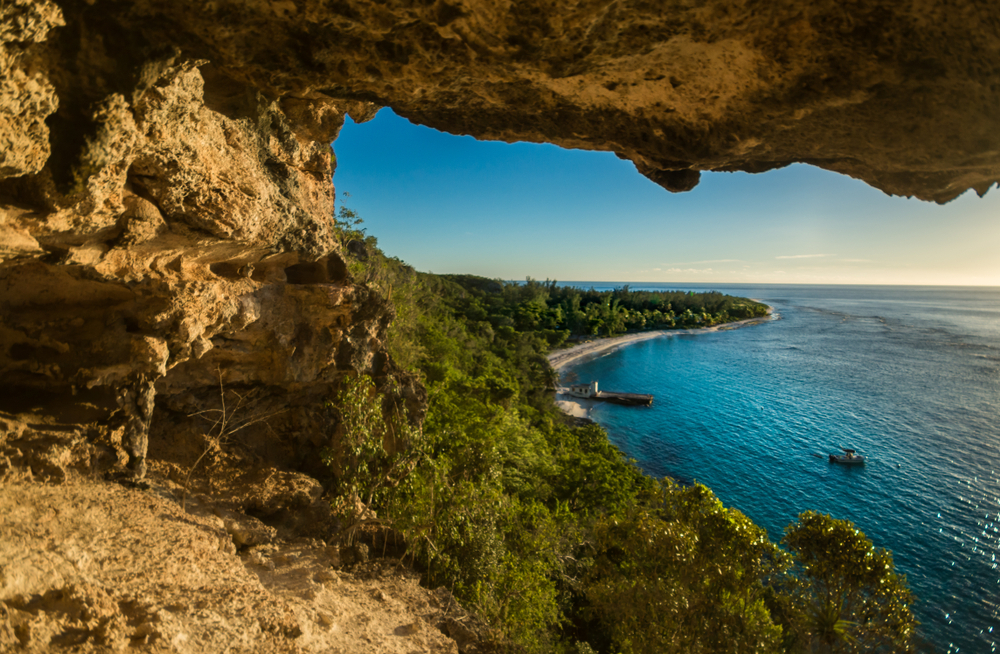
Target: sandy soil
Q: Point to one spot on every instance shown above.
(97, 567)
(574, 406)
(580, 408)
(89, 565)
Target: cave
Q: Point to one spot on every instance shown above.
(167, 200)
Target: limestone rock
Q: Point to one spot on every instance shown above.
(898, 94)
(181, 238)
(27, 97)
(246, 531)
(94, 567)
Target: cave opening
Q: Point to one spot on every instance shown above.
(453, 204)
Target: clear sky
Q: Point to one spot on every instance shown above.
(451, 204)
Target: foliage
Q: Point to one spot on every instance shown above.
(684, 576)
(542, 526)
(560, 312)
(389, 277)
(374, 452)
(847, 596)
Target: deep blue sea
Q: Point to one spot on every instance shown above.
(910, 376)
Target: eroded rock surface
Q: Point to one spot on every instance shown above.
(171, 294)
(900, 94)
(182, 242)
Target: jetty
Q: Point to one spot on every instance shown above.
(589, 391)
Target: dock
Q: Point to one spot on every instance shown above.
(589, 391)
(628, 399)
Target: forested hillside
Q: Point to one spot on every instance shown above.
(547, 306)
(542, 527)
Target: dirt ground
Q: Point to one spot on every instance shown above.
(91, 565)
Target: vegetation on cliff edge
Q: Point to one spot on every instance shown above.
(543, 527)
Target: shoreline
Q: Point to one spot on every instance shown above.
(580, 407)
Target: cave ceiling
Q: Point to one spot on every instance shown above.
(902, 95)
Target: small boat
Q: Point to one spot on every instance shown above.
(850, 457)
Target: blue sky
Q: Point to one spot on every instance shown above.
(451, 204)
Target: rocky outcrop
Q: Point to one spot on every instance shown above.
(898, 94)
(180, 237)
(26, 95)
(172, 293)
(89, 567)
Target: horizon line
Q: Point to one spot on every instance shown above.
(597, 281)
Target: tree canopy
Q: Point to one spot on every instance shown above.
(544, 528)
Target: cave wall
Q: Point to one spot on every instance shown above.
(165, 196)
(167, 238)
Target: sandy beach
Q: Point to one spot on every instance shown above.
(580, 408)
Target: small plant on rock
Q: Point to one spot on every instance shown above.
(375, 452)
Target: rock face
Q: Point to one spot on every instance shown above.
(166, 236)
(172, 292)
(101, 568)
(900, 94)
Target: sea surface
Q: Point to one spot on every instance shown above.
(909, 376)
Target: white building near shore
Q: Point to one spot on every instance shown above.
(586, 391)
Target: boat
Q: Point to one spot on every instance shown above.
(850, 457)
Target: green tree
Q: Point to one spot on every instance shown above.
(541, 526)
(372, 450)
(688, 577)
(846, 593)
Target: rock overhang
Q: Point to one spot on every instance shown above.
(900, 95)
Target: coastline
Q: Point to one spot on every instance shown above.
(579, 407)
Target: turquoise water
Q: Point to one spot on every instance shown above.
(908, 376)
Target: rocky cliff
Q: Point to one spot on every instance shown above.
(167, 250)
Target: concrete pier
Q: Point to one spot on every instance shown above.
(629, 399)
(589, 391)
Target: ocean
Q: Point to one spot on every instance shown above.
(909, 376)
